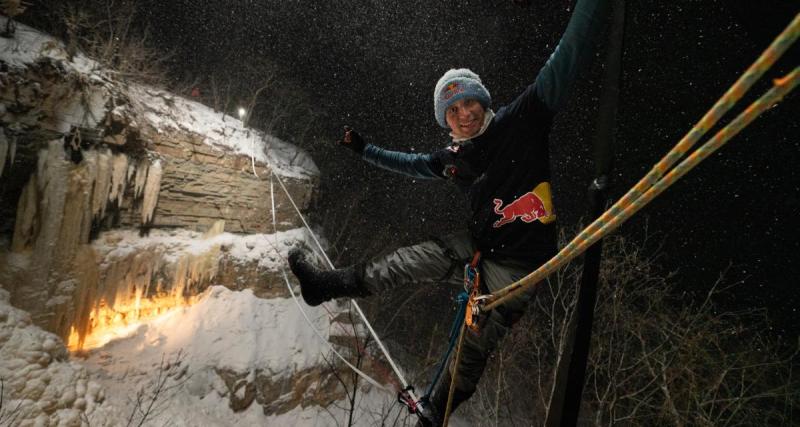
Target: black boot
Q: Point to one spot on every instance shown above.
(432, 413)
(318, 286)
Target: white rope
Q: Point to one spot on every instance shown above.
(385, 352)
(329, 345)
(253, 163)
(355, 304)
(303, 312)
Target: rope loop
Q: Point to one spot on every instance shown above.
(404, 396)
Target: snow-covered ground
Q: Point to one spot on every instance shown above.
(180, 351)
(268, 250)
(40, 384)
(29, 44)
(225, 329)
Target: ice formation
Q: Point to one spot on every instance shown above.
(102, 183)
(3, 150)
(12, 150)
(50, 176)
(141, 177)
(119, 178)
(27, 212)
(151, 188)
(143, 277)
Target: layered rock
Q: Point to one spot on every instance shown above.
(83, 152)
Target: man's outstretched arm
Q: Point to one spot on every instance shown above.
(421, 166)
(574, 50)
(415, 165)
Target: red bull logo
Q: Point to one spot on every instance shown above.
(531, 206)
(452, 90)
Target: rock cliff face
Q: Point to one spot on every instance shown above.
(121, 201)
(84, 153)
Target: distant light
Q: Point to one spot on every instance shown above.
(242, 112)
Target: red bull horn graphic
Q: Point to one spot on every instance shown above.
(529, 207)
(452, 90)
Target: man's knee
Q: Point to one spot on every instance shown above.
(425, 262)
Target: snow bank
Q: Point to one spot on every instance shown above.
(373, 408)
(40, 385)
(268, 250)
(28, 45)
(225, 329)
(166, 111)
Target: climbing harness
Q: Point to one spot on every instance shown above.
(472, 320)
(472, 285)
(467, 312)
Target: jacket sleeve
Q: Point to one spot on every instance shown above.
(573, 51)
(551, 86)
(421, 166)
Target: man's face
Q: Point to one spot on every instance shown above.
(465, 117)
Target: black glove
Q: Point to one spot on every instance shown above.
(352, 140)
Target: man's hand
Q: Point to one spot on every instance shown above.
(352, 140)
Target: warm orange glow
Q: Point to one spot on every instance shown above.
(145, 284)
(108, 323)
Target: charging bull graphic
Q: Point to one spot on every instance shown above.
(529, 207)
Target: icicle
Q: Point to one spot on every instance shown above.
(102, 184)
(27, 209)
(119, 170)
(151, 188)
(90, 161)
(215, 230)
(50, 158)
(141, 177)
(12, 151)
(3, 150)
(53, 181)
(41, 165)
(131, 171)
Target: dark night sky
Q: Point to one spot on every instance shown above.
(373, 65)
